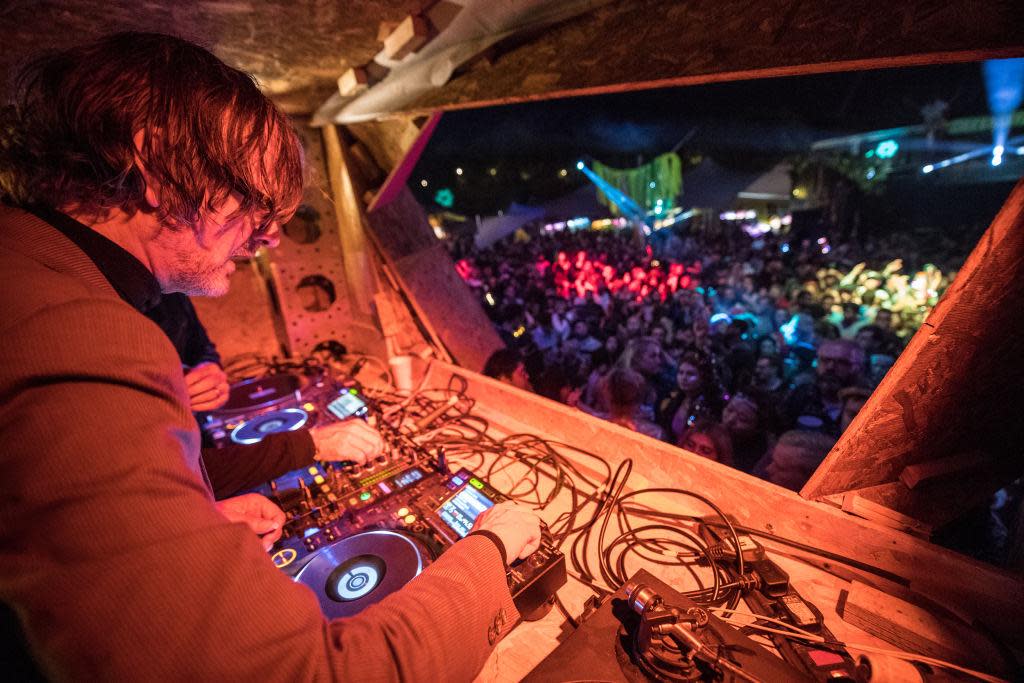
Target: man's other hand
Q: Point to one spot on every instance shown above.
(263, 517)
(349, 440)
(207, 387)
(517, 527)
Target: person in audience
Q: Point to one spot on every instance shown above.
(840, 364)
(507, 365)
(707, 439)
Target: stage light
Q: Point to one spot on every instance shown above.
(651, 184)
(870, 175)
(458, 171)
(928, 169)
(1020, 151)
(493, 171)
(887, 149)
(563, 173)
(423, 183)
(579, 165)
(997, 155)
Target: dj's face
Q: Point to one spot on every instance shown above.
(200, 259)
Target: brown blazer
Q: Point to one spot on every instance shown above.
(113, 556)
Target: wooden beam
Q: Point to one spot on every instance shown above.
(857, 504)
(912, 475)
(915, 629)
(349, 210)
(704, 41)
(958, 385)
(994, 597)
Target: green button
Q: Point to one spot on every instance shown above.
(476, 482)
(365, 495)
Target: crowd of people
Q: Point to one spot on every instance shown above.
(756, 352)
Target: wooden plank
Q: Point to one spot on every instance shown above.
(912, 475)
(994, 597)
(958, 385)
(354, 81)
(857, 504)
(915, 629)
(410, 35)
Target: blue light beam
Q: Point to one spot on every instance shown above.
(1004, 84)
(629, 208)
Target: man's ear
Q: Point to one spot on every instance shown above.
(152, 193)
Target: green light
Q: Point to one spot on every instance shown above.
(444, 197)
(476, 483)
(353, 391)
(365, 495)
(887, 149)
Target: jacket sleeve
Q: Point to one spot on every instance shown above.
(119, 566)
(234, 467)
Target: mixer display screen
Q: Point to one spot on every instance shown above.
(409, 477)
(346, 405)
(461, 510)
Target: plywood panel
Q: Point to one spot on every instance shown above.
(635, 44)
(958, 386)
(426, 273)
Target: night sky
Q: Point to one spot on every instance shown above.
(745, 124)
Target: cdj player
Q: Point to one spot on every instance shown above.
(279, 403)
(354, 534)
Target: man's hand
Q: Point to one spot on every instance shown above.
(350, 440)
(263, 517)
(517, 527)
(207, 387)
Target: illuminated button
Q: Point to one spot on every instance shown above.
(352, 501)
(402, 512)
(476, 483)
(325, 488)
(365, 495)
(319, 479)
(409, 519)
(313, 470)
(283, 557)
(308, 407)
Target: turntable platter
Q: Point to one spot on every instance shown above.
(253, 431)
(356, 572)
(262, 392)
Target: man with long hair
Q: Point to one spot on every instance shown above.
(136, 165)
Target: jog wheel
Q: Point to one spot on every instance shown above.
(351, 574)
(253, 430)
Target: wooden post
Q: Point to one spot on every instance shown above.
(349, 210)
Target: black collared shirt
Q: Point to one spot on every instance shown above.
(135, 284)
(130, 279)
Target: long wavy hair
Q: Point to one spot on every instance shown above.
(68, 139)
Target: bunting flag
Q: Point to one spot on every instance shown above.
(660, 180)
